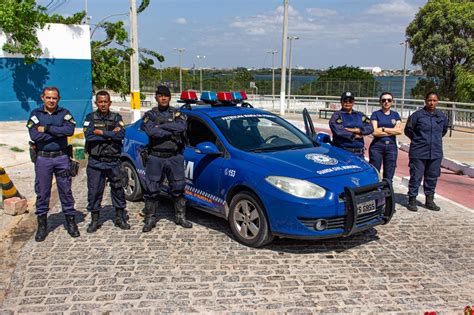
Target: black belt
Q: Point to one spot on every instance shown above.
(105, 159)
(354, 150)
(52, 154)
(163, 154)
(384, 142)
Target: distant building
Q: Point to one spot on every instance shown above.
(65, 63)
(373, 70)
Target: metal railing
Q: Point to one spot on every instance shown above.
(459, 114)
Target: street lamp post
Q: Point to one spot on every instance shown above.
(134, 74)
(283, 58)
(404, 74)
(273, 52)
(180, 50)
(200, 71)
(290, 38)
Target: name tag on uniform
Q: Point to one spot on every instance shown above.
(35, 119)
(86, 123)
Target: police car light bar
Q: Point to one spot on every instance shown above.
(244, 95)
(209, 97)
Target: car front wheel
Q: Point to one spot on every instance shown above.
(133, 189)
(248, 221)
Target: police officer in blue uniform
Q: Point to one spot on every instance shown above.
(387, 125)
(165, 127)
(49, 127)
(349, 126)
(426, 127)
(104, 132)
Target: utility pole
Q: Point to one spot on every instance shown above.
(134, 74)
(283, 58)
(180, 50)
(273, 52)
(200, 71)
(404, 74)
(291, 38)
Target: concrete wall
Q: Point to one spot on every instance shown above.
(65, 63)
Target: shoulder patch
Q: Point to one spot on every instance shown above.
(87, 123)
(339, 121)
(146, 119)
(177, 114)
(68, 117)
(365, 119)
(121, 123)
(29, 124)
(35, 119)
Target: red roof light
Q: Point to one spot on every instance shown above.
(189, 95)
(224, 96)
(244, 95)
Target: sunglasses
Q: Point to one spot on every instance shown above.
(348, 100)
(388, 100)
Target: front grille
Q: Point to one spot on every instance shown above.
(339, 222)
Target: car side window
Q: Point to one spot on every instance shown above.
(199, 132)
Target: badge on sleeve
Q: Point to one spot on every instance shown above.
(146, 119)
(29, 124)
(68, 117)
(366, 119)
(87, 123)
(339, 121)
(35, 119)
(177, 114)
(121, 124)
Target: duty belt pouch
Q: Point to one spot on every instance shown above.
(69, 151)
(33, 151)
(73, 168)
(144, 154)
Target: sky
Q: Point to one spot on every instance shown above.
(240, 33)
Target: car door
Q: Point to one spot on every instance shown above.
(203, 172)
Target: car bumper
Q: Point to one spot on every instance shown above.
(323, 222)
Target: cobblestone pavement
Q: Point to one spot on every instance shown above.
(419, 262)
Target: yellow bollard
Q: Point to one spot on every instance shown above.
(8, 188)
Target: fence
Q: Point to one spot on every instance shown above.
(459, 114)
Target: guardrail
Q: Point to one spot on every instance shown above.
(459, 114)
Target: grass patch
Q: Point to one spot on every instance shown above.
(16, 149)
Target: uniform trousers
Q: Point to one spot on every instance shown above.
(384, 153)
(427, 169)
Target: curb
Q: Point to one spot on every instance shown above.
(453, 165)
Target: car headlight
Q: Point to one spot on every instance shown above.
(297, 187)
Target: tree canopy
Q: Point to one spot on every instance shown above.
(441, 39)
(20, 19)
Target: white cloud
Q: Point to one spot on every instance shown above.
(180, 21)
(393, 7)
(320, 12)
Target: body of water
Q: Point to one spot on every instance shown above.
(392, 84)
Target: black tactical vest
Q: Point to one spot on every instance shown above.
(171, 143)
(107, 148)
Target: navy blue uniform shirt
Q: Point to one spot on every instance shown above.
(346, 139)
(58, 126)
(426, 131)
(387, 121)
(166, 129)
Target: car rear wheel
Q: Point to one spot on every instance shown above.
(133, 190)
(248, 221)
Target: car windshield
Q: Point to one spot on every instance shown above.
(261, 133)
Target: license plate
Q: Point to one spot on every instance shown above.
(366, 207)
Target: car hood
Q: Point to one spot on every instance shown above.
(323, 161)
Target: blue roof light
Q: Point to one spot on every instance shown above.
(209, 96)
(236, 96)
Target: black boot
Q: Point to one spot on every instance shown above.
(430, 204)
(94, 225)
(150, 218)
(180, 210)
(412, 203)
(71, 226)
(42, 230)
(121, 219)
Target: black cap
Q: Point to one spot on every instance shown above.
(347, 96)
(163, 90)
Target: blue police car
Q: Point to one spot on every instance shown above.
(267, 177)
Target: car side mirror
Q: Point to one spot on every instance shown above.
(322, 137)
(207, 148)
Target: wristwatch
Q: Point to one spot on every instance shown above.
(383, 129)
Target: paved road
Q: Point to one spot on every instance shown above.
(420, 261)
